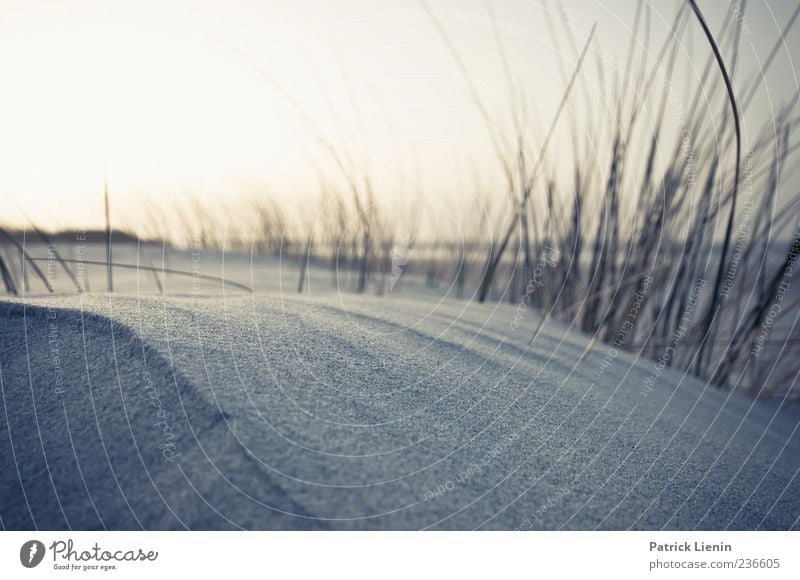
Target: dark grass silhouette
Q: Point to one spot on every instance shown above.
(651, 218)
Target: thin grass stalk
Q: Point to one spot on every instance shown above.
(61, 261)
(716, 292)
(208, 277)
(109, 258)
(29, 259)
(497, 256)
(8, 278)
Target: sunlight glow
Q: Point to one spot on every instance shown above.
(164, 99)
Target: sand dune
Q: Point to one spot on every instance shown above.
(274, 412)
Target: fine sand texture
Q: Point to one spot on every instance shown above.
(266, 411)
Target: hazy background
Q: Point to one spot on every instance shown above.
(171, 98)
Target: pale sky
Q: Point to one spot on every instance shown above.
(166, 98)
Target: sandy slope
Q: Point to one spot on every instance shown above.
(358, 412)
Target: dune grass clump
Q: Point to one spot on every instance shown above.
(665, 233)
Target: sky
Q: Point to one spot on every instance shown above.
(168, 99)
